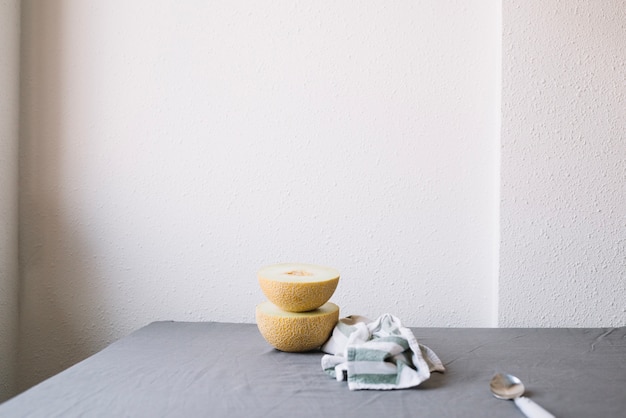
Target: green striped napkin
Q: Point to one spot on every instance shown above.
(380, 354)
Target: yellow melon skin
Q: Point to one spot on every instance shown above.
(296, 332)
(298, 287)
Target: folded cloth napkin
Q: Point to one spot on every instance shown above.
(380, 354)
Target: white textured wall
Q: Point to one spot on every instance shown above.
(172, 148)
(563, 253)
(9, 119)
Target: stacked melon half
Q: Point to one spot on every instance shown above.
(298, 316)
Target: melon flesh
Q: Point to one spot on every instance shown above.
(296, 331)
(298, 287)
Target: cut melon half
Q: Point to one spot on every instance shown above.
(298, 287)
(296, 331)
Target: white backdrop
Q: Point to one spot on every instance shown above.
(172, 148)
(9, 119)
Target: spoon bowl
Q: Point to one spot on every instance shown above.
(507, 386)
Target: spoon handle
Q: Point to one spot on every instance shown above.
(531, 409)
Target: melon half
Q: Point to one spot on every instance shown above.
(297, 287)
(296, 331)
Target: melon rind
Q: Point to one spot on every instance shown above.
(296, 331)
(298, 287)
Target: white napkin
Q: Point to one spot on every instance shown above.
(380, 354)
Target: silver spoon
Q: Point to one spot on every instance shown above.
(507, 386)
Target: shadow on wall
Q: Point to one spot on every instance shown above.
(56, 276)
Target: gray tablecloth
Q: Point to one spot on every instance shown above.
(178, 369)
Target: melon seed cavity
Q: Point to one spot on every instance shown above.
(299, 273)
